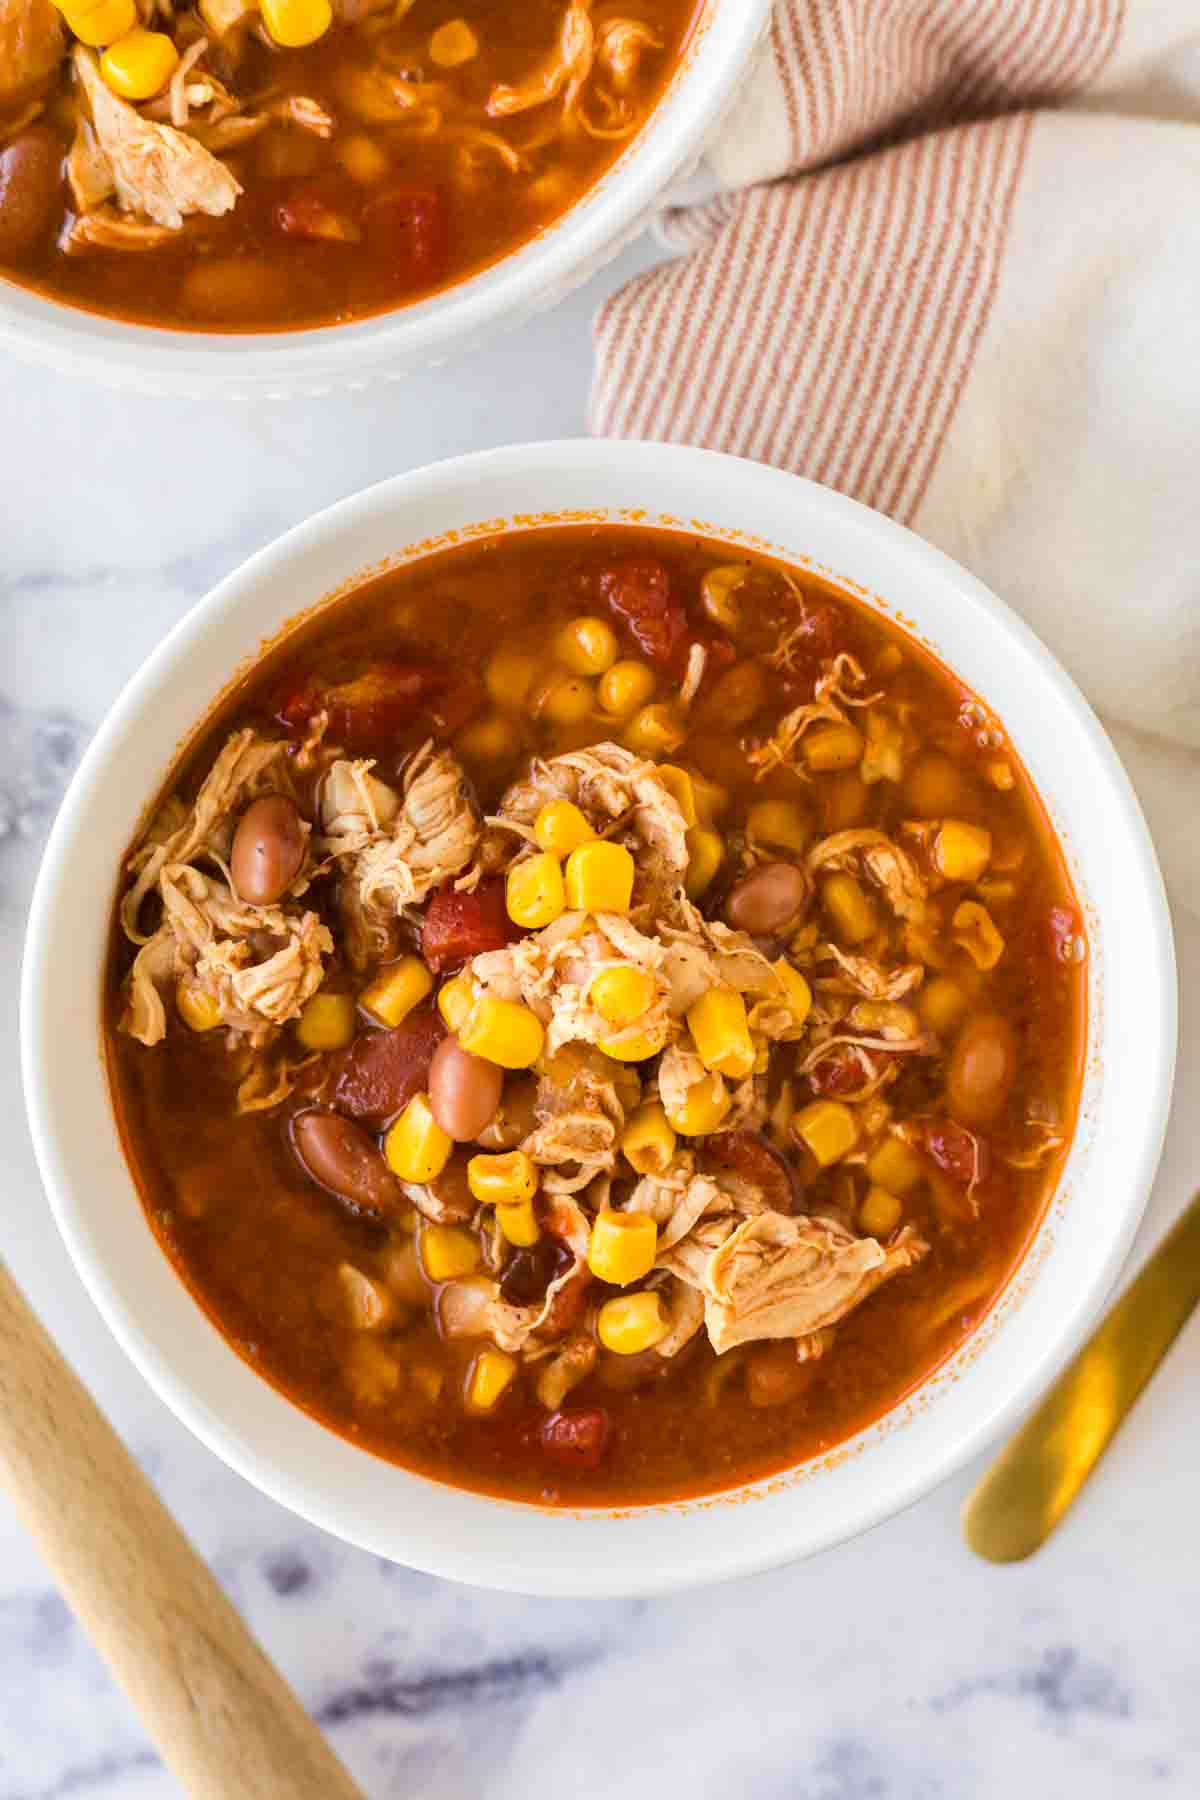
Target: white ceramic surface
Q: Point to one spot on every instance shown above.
(273, 365)
(1088, 1229)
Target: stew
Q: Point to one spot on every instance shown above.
(268, 164)
(598, 1017)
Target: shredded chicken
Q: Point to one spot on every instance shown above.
(890, 868)
(620, 46)
(564, 71)
(158, 172)
(611, 786)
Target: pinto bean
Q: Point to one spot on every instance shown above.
(268, 848)
(464, 1091)
(30, 189)
(981, 1069)
(768, 900)
(340, 1157)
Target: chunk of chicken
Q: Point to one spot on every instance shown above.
(564, 71)
(157, 171)
(31, 48)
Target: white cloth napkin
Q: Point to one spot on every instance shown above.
(929, 282)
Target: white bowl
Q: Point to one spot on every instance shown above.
(1048, 1304)
(201, 364)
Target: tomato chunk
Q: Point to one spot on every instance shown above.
(386, 699)
(408, 228)
(577, 1438)
(640, 591)
(306, 213)
(1063, 928)
(380, 1072)
(460, 926)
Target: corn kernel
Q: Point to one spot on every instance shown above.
(850, 910)
(448, 1252)
(396, 990)
(843, 800)
(1000, 775)
(706, 852)
(895, 1166)
(534, 892)
(942, 1005)
(711, 798)
(649, 1142)
(599, 878)
(509, 678)
(587, 646)
(326, 1022)
(961, 852)
(625, 687)
(829, 747)
(634, 1046)
(564, 699)
(416, 1148)
(703, 1109)
(140, 64)
(975, 932)
(779, 823)
(518, 1223)
(362, 158)
(798, 996)
(492, 1374)
(621, 995)
(452, 44)
(504, 1032)
(631, 1323)
(880, 1213)
(455, 999)
(933, 786)
(717, 1022)
(199, 1010)
(294, 23)
(828, 1128)
(678, 784)
(719, 595)
(560, 827)
(622, 1246)
(656, 730)
(492, 739)
(102, 23)
(504, 1179)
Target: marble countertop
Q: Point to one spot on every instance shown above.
(896, 1668)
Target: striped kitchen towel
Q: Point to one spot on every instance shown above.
(953, 268)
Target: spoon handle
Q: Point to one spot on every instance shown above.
(223, 1717)
(1036, 1477)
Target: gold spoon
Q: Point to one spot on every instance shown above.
(1035, 1479)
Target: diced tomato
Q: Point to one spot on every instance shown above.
(577, 1438)
(306, 213)
(961, 1154)
(835, 1075)
(749, 1155)
(640, 591)
(408, 229)
(459, 926)
(388, 698)
(567, 1306)
(380, 1072)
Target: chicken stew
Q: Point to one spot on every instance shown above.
(598, 1017)
(270, 164)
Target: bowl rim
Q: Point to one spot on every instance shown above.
(319, 359)
(49, 1107)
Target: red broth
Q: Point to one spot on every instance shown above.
(897, 1139)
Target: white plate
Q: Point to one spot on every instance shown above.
(1057, 1290)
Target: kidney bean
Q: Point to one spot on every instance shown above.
(380, 1072)
(529, 1272)
(459, 926)
(577, 1438)
(514, 1118)
(464, 1091)
(769, 899)
(30, 191)
(981, 1069)
(268, 848)
(340, 1157)
(746, 1154)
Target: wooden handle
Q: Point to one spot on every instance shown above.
(223, 1717)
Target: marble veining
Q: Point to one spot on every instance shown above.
(896, 1668)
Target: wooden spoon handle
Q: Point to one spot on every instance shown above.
(223, 1717)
